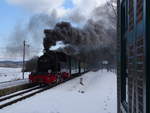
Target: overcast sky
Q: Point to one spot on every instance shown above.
(20, 11)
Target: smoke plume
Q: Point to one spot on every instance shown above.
(92, 42)
(32, 33)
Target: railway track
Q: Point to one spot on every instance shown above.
(13, 98)
(3, 98)
(21, 95)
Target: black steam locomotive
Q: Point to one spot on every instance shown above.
(54, 67)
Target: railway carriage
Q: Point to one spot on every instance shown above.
(133, 56)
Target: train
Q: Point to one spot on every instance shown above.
(133, 44)
(54, 67)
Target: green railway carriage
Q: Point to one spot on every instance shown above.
(133, 56)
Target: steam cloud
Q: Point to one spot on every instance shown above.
(59, 45)
(93, 43)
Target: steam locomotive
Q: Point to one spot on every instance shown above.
(53, 67)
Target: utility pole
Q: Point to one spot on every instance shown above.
(23, 67)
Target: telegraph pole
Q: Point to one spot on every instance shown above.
(23, 67)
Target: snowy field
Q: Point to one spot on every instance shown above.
(96, 95)
(11, 74)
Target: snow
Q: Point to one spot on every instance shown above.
(96, 95)
(11, 74)
(13, 83)
(12, 77)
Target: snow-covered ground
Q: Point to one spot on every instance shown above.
(10, 74)
(96, 95)
(13, 83)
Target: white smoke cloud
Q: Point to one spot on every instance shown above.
(59, 45)
(87, 6)
(81, 10)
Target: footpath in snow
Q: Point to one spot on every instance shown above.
(97, 94)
